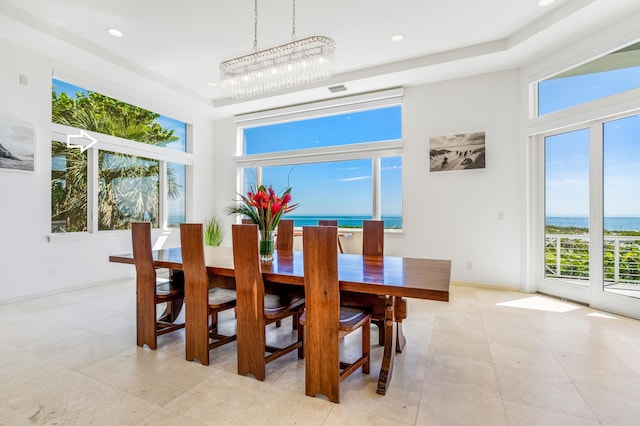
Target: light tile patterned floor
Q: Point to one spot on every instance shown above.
(485, 358)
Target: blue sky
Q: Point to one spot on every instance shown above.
(567, 154)
(335, 188)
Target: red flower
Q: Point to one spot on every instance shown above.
(264, 207)
(275, 208)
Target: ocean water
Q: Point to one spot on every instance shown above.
(175, 219)
(390, 222)
(629, 223)
(344, 221)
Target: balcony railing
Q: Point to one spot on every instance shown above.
(567, 256)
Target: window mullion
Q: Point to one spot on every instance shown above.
(162, 195)
(391, 148)
(375, 188)
(92, 190)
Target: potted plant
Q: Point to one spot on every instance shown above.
(213, 231)
(265, 208)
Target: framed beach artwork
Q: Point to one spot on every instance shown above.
(457, 152)
(17, 147)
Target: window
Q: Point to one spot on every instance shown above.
(342, 163)
(128, 190)
(68, 189)
(117, 172)
(613, 73)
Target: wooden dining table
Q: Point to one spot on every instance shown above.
(379, 283)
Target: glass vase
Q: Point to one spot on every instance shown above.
(266, 246)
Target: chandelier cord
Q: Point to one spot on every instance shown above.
(293, 20)
(255, 25)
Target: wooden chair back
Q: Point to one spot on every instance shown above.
(322, 315)
(284, 240)
(373, 237)
(196, 292)
(145, 284)
(327, 222)
(250, 299)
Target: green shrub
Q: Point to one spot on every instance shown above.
(213, 231)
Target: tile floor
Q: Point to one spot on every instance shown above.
(485, 358)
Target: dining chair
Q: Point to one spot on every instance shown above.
(256, 309)
(284, 238)
(331, 222)
(151, 291)
(203, 303)
(246, 221)
(373, 237)
(284, 241)
(373, 245)
(325, 320)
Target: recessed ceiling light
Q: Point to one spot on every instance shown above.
(543, 3)
(397, 37)
(212, 84)
(114, 32)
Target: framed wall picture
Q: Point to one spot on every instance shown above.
(457, 152)
(17, 147)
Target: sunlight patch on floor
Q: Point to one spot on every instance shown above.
(540, 304)
(601, 315)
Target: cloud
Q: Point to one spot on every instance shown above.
(354, 178)
(391, 168)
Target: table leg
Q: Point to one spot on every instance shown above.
(400, 313)
(173, 308)
(386, 369)
(401, 341)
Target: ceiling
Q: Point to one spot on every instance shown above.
(180, 44)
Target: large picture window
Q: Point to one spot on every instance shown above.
(343, 165)
(119, 171)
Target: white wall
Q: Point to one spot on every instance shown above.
(30, 264)
(449, 215)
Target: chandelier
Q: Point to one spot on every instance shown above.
(289, 65)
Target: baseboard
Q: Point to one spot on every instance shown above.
(501, 287)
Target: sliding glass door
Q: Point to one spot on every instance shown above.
(566, 215)
(619, 287)
(592, 215)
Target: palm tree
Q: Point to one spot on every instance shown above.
(128, 186)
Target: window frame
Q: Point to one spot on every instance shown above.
(589, 115)
(373, 151)
(60, 132)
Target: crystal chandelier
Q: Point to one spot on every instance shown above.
(293, 64)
